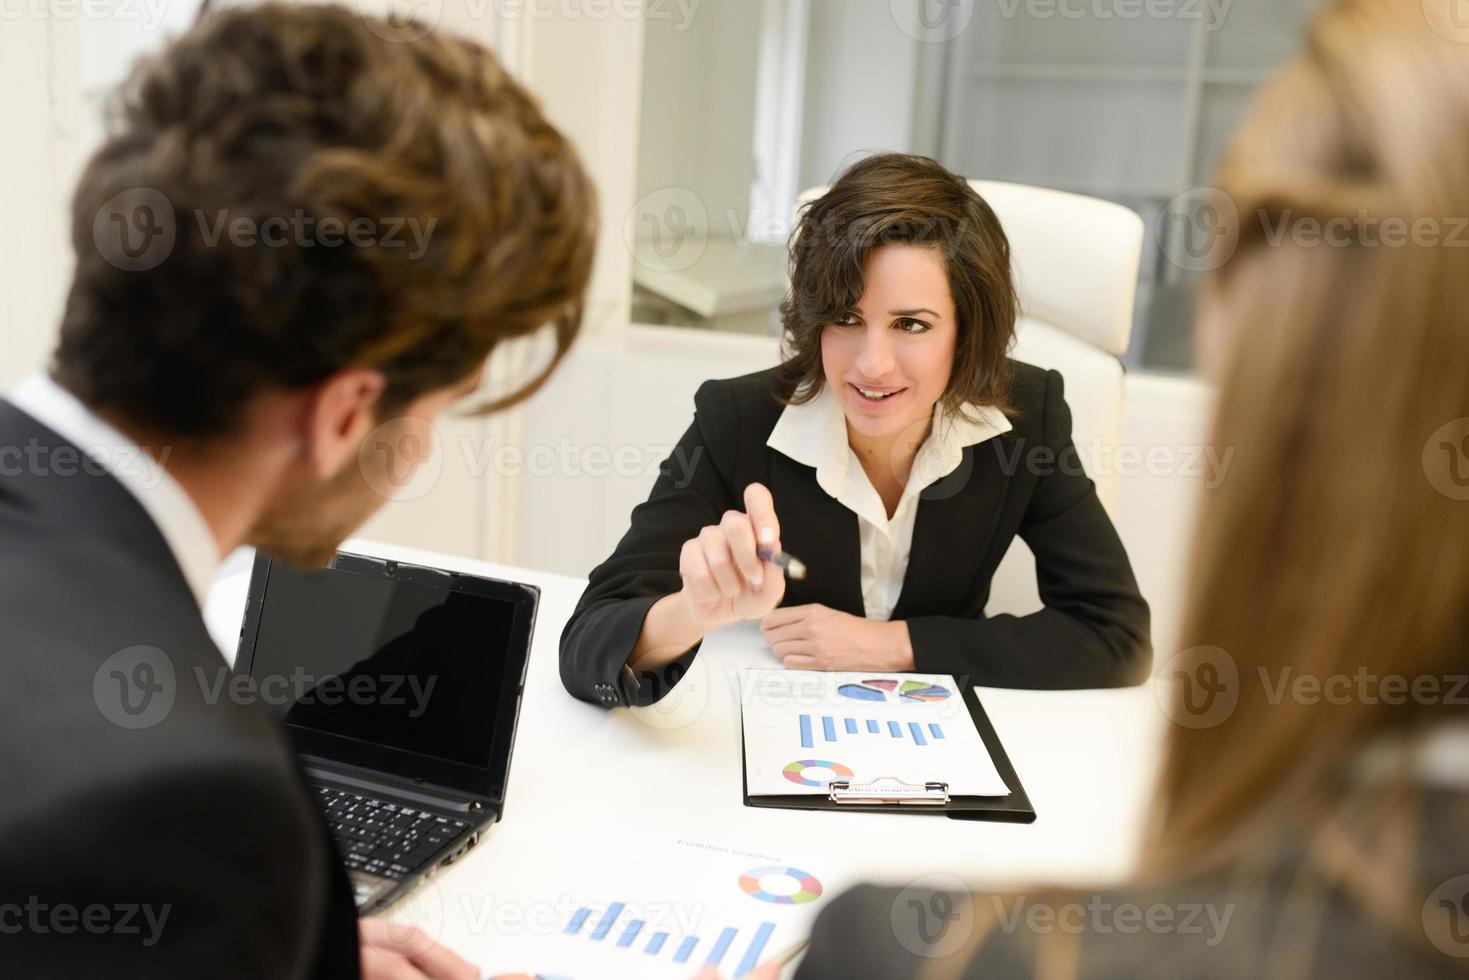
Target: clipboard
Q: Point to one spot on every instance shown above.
(886, 795)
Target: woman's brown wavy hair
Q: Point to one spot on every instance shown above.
(897, 198)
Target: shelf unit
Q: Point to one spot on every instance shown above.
(1131, 110)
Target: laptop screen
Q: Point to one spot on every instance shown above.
(404, 669)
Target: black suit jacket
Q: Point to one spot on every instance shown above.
(128, 794)
(1093, 631)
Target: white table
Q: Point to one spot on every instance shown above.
(1086, 759)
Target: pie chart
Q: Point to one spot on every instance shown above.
(780, 886)
(796, 772)
(889, 691)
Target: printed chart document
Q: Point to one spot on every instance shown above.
(645, 907)
(806, 728)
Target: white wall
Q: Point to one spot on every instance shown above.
(862, 77)
(33, 227)
(57, 70)
(698, 107)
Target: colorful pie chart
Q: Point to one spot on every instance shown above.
(780, 886)
(887, 690)
(796, 772)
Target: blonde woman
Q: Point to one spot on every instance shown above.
(1321, 828)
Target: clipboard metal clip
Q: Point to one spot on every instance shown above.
(886, 789)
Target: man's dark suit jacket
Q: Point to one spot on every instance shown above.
(1093, 631)
(114, 798)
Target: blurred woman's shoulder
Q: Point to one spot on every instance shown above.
(1290, 909)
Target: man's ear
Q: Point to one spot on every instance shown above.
(339, 414)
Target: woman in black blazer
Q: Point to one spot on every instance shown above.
(898, 452)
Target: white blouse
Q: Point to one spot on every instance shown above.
(815, 434)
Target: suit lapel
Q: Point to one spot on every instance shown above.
(952, 531)
(820, 532)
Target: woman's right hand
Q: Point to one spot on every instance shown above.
(724, 579)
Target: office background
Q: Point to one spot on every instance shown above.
(701, 123)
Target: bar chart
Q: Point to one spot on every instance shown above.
(832, 728)
(738, 947)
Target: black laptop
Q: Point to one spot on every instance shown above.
(400, 686)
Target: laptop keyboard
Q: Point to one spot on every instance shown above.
(384, 838)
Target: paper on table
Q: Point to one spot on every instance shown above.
(805, 728)
(646, 907)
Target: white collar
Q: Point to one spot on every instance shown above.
(814, 433)
(178, 519)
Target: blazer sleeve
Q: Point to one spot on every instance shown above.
(693, 490)
(1094, 629)
(192, 869)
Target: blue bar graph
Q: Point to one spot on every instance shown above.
(605, 925)
(577, 921)
(685, 948)
(630, 933)
(659, 942)
(831, 732)
(721, 946)
(751, 959)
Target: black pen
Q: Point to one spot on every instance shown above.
(788, 563)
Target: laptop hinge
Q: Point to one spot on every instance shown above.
(418, 792)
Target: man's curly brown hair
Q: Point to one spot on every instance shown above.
(311, 113)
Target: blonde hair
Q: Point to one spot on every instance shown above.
(1334, 545)
(1339, 540)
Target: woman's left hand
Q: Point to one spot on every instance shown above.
(817, 637)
